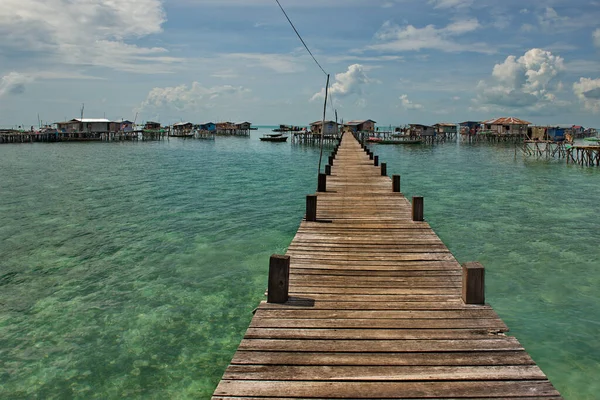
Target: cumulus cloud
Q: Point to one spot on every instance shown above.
(596, 37)
(588, 92)
(193, 98)
(409, 105)
(528, 81)
(347, 83)
(84, 32)
(395, 38)
(14, 83)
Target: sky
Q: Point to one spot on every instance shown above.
(393, 61)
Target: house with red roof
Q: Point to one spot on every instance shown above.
(507, 126)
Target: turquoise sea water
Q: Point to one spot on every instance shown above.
(130, 270)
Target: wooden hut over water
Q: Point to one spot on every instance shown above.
(366, 125)
(231, 128)
(507, 126)
(446, 130)
(330, 128)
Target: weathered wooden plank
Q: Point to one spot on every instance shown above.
(297, 304)
(375, 273)
(366, 334)
(414, 323)
(475, 313)
(383, 346)
(298, 290)
(384, 373)
(329, 358)
(365, 390)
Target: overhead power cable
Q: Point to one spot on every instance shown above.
(300, 37)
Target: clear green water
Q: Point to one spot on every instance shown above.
(130, 270)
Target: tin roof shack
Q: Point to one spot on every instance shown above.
(88, 125)
(330, 129)
(151, 125)
(469, 127)
(421, 130)
(445, 127)
(125, 126)
(360, 126)
(208, 126)
(507, 126)
(243, 126)
(557, 133)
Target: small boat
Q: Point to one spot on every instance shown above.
(274, 137)
(592, 139)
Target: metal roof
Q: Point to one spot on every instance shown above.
(358, 122)
(506, 121)
(320, 122)
(91, 120)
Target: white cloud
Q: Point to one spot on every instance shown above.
(14, 83)
(280, 63)
(84, 32)
(588, 92)
(450, 3)
(347, 83)
(396, 38)
(596, 37)
(409, 105)
(527, 81)
(193, 98)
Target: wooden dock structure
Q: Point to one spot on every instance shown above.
(368, 302)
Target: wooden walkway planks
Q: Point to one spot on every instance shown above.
(375, 310)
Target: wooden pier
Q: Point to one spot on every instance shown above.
(368, 302)
(584, 155)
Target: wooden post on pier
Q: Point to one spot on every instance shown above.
(417, 208)
(473, 283)
(376, 160)
(279, 279)
(331, 158)
(396, 183)
(322, 184)
(383, 169)
(328, 169)
(371, 155)
(311, 208)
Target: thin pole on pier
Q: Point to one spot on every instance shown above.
(323, 123)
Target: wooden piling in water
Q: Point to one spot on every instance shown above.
(383, 169)
(311, 208)
(417, 208)
(396, 183)
(322, 184)
(279, 279)
(473, 283)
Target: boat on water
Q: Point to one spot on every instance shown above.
(274, 137)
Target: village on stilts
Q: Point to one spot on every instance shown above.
(573, 143)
